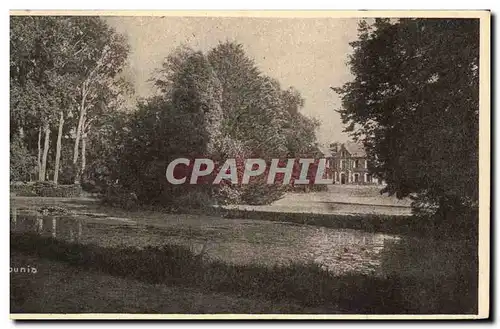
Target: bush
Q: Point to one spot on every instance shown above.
(44, 184)
(118, 197)
(47, 189)
(22, 163)
(259, 192)
(91, 187)
(227, 194)
(194, 199)
(67, 174)
(447, 214)
(308, 188)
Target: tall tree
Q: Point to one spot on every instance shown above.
(414, 104)
(197, 94)
(252, 105)
(300, 131)
(62, 68)
(218, 105)
(97, 66)
(183, 121)
(36, 77)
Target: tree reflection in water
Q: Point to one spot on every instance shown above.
(64, 227)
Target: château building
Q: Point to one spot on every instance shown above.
(347, 163)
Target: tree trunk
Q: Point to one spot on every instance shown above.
(39, 163)
(45, 151)
(79, 127)
(84, 149)
(85, 129)
(58, 147)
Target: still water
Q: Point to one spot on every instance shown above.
(233, 240)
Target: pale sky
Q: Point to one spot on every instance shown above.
(307, 53)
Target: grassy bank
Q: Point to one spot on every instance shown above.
(373, 223)
(305, 284)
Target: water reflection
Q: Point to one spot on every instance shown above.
(237, 241)
(66, 228)
(13, 217)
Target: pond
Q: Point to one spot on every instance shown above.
(232, 240)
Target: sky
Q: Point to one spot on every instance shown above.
(309, 54)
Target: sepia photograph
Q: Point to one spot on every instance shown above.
(249, 164)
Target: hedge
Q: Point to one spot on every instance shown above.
(45, 189)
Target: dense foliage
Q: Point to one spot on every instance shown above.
(64, 78)
(22, 163)
(414, 104)
(216, 105)
(72, 120)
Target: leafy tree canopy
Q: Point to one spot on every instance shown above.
(414, 104)
(217, 105)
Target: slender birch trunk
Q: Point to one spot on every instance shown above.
(80, 125)
(45, 150)
(79, 129)
(84, 149)
(58, 147)
(39, 159)
(85, 129)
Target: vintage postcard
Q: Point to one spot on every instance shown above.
(249, 164)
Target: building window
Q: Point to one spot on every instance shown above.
(356, 164)
(356, 178)
(342, 164)
(366, 163)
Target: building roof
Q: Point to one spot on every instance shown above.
(355, 149)
(325, 150)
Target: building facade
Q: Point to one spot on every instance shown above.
(347, 163)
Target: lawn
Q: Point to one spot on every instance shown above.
(338, 200)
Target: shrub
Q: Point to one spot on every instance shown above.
(47, 189)
(68, 174)
(91, 187)
(197, 199)
(64, 191)
(308, 188)
(22, 163)
(259, 192)
(227, 194)
(118, 197)
(44, 184)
